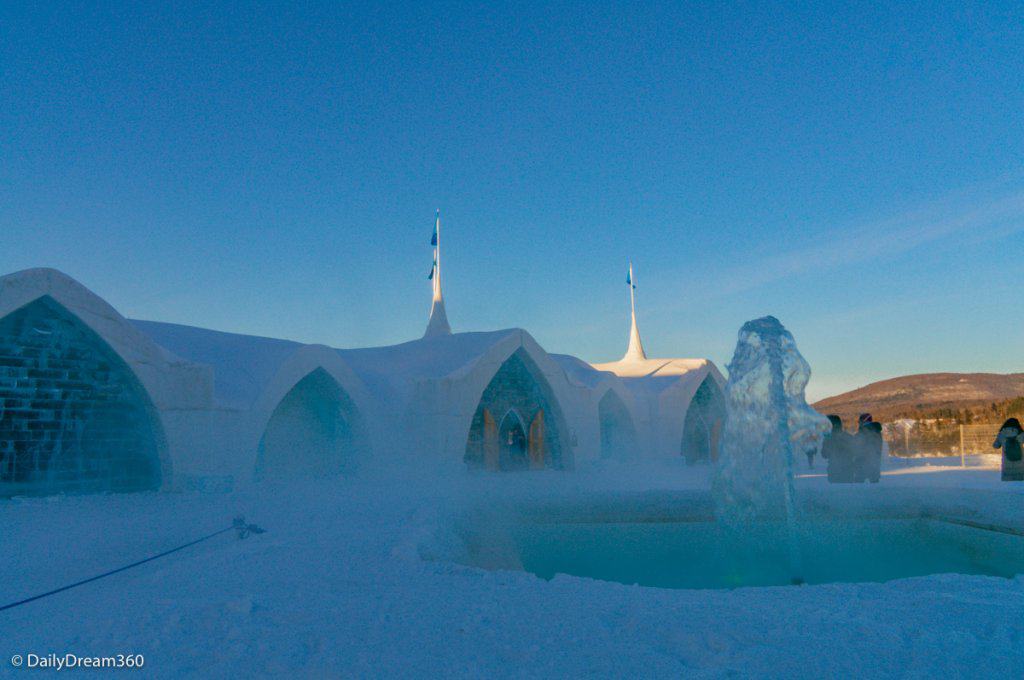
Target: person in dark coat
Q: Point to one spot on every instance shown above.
(869, 449)
(837, 450)
(1011, 440)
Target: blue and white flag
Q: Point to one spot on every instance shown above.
(437, 223)
(433, 269)
(629, 277)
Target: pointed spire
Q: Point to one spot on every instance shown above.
(438, 323)
(635, 351)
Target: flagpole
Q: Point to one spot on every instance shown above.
(632, 292)
(438, 323)
(635, 350)
(437, 225)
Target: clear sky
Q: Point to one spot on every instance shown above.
(855, 171)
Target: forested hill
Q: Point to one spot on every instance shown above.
(969, 397)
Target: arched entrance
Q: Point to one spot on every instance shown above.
(513, 453)
(315, 432)
(618, 434)
(73, 416)
(703, 423)
(527, 436)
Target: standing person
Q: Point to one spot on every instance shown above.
(1011, 440)
(810, 457)
(869, 449)
(837, 450)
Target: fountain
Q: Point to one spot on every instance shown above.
(767, 415)
(748, 530)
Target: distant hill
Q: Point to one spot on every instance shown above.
(915, 396)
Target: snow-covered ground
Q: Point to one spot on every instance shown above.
(338, 587)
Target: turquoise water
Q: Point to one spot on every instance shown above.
(704, 555)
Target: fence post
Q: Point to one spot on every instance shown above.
(962, 462)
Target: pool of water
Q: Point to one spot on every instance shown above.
(702, 554)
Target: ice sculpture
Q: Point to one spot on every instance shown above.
(767, 419)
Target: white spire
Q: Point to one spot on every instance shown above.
(438, 323)
(635, 351)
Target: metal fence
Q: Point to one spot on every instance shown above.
(910, 439)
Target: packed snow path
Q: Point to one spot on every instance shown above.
(337, 588)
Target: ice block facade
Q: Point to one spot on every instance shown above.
(73, 416)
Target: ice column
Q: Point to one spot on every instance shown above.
(767, 420)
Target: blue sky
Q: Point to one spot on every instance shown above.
(855, 171)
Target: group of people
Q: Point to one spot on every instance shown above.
(853, 458)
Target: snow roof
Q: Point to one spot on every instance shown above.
(390, 371)
(655, 375)
(581, 371)
(243, 364)
(21, 287)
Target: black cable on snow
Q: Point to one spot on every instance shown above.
(238, 525)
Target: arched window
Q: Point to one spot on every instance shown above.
(529, 415)
(703, 423)
(314, 432)
(73, 415)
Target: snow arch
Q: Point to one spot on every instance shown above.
(517, 386)
(74, 417)
(315, 431)
(703, 423)
(618, 432)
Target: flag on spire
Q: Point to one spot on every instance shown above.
(438, 322)
(433, 242)
(635, 351)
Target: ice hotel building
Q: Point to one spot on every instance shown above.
(91, 401)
